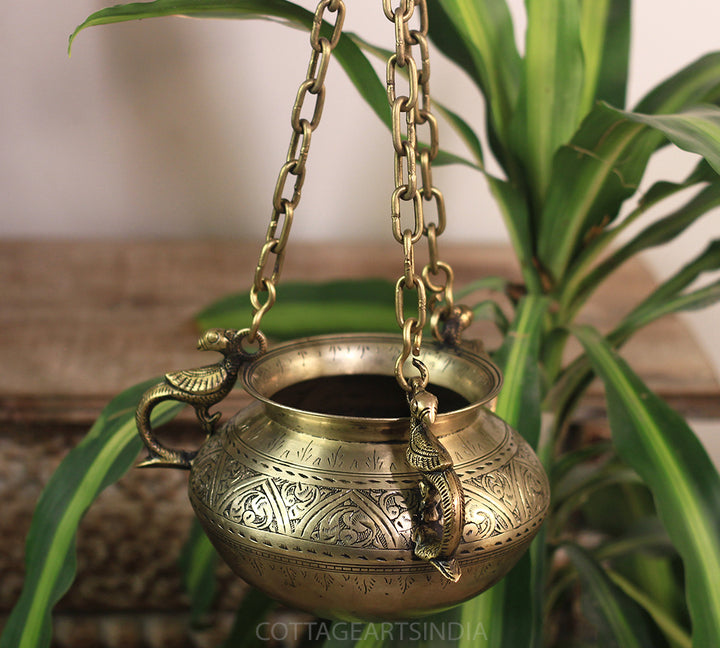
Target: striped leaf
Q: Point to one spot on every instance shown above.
(659, 445)
(313, 309)
(480, 36)
(604, 162)
(659, 232)
(577, 285)
(605, 35)
(549, 110)
(105, 454)
(510, 611)
(696, 130)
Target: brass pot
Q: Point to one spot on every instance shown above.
(308, 496)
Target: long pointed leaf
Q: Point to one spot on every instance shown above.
(577, 274)
(483, 33)
(104, 455)
(605, 31)
(516, 215)
(618, 619)
(658, 443)
(313, 309)
(605, 160)
(509, 611)
(198, 562)
(696, 83)
(674, 632)
(668, 296)
(696, 131)
(550, 107)
(662, 231)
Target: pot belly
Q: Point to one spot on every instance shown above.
(326, 526)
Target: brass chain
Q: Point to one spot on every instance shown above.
(414, 108)
(295, 163)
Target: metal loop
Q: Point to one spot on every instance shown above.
(332, 6)
(426, 173)
(424, 16)
(397, 111)
(436, 194)
(407, 6)
(419, 287)
(411, 188)
(410, 100)
(299, 141)
(445, 291)
(423, 117)
(287, 169)
(411, 345)
(418, 38)
(409, 252)
(288, 212)
(431, 234)
(318, 66)
(261, 308)
(396, 215)
(303, 90)
(259, 337)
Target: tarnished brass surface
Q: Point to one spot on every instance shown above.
(318, 509)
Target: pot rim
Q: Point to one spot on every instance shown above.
(274, 370)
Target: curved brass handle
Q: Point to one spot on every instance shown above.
(438, 481)
(202, 388)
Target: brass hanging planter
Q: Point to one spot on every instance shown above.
(333, 492)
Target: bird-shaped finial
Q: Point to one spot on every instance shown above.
(202, 388)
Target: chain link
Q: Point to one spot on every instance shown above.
(409, 112)
(264, 289)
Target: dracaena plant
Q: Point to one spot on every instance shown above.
(571, 156)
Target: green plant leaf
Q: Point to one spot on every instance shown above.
(575, 489)
(617, 618)
(659, 445)
(550, 106)
(490, 310)
(198, 562)
(696, 130)
(348, 54)
(465, 131)
(668, 296)
(591, 178)
(482, 32)
(245, 630)
(577, 286)
(605, 160)
(313, 309)
(659, 232)
(605, 34)
(516, 215)
(103, 456)
(673, 631)
(510, 611)
(696, 83)
(519, 400)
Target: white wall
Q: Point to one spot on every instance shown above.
(174, 127)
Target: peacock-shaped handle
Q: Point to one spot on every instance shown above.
(438, 480)
(202, 388)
